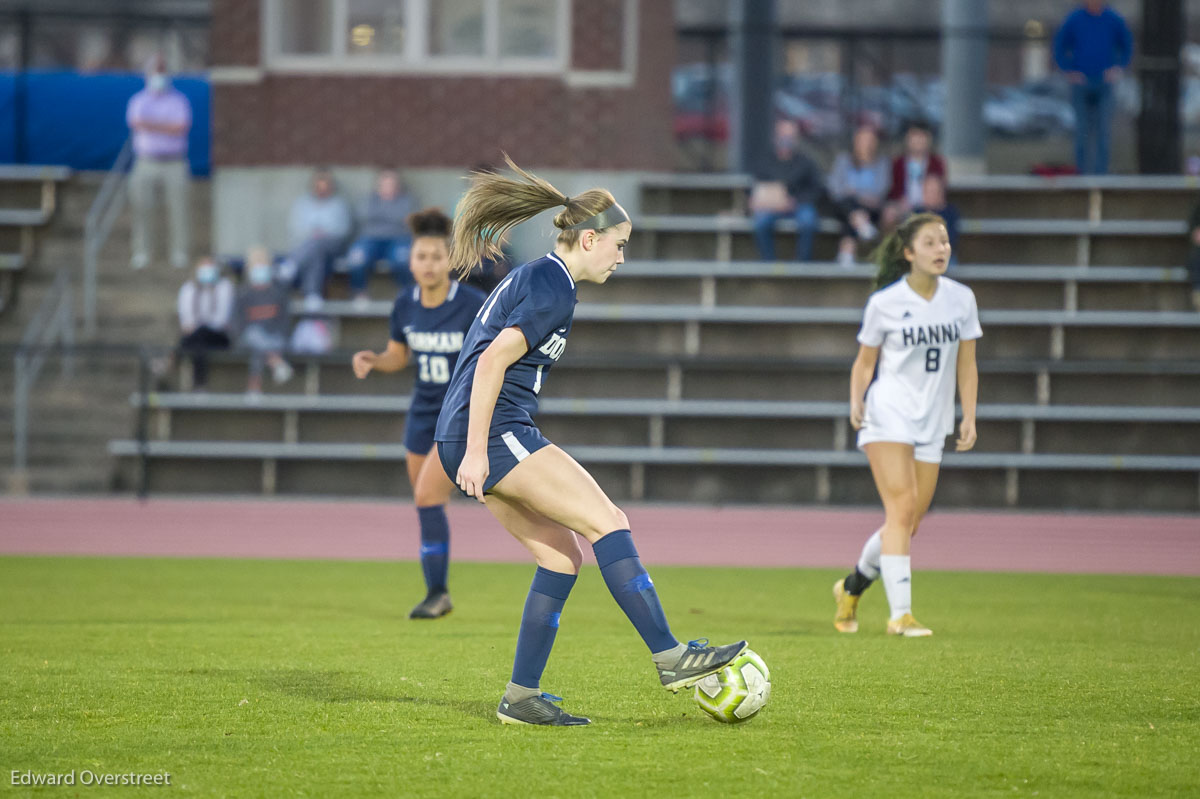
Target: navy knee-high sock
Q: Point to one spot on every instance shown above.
(633, 589)
(539, 625)
(435, 546)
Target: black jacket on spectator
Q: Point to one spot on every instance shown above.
(800, 174)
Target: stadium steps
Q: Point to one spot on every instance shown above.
(666, 328)
(815, 331)
(71, 423)
(992, 196)
(647, 376)
(702, 474)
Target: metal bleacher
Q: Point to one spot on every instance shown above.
(27, 202)
(696, 374)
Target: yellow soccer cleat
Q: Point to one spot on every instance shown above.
(845, 620)
(908, 627)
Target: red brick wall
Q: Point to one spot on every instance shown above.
(432, 121)
(598, 33)
(235, 32)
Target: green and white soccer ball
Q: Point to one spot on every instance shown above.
(737, 692)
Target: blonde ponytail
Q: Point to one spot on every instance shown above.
(495, 204)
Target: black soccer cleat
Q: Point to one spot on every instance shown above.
(700, 660)
(538, 710)
(433, 606)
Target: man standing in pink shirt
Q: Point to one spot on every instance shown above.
(159, 117)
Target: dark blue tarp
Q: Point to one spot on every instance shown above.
(68, 119)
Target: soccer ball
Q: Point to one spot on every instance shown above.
(737, 692)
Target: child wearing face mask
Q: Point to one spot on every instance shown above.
(205, 306)
(262, 313)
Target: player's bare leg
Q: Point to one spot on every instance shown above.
(895, 473)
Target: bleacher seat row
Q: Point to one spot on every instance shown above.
(696, 376)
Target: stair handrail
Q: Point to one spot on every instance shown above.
(97, 227)
(52, 325)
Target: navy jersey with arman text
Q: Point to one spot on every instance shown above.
(538, 298)
(434, 337)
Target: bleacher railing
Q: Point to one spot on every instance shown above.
(101, 217)
(52, 326)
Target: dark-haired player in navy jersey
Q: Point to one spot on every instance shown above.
(429, 321)
(488, 442)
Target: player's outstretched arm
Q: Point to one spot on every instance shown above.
(968, 392)
(860, 378)
(393, 359)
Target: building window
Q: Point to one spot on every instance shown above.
(527, 28)
(305, 27)
(416, 35)
(456, 28)
(375, 26)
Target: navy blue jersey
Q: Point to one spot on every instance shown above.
(434, 337)
(538, 298)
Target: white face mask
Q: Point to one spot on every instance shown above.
(260, 274)
(207, 273)
(156, 82)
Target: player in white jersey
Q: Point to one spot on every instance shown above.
(917, 340)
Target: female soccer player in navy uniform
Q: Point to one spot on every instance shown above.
(917, 339)
(429, 321)
(490, 445)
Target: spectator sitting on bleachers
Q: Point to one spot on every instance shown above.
(933, 201)
(1193, 261)
(908, 174)
(384, 233)
(320, 225)
(858, 184)
(262, 320)
(205, 308)
(789, 185)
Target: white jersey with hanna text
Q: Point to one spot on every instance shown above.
(912, 397)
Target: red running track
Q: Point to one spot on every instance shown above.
(683, 535)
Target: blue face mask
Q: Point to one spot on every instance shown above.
(260, 274)
(207, 274)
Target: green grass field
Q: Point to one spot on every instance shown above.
(293, 678)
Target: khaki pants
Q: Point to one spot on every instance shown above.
(174, 177)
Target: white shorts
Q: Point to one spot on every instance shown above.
(926, 452)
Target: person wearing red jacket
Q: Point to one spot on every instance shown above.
(909, 170)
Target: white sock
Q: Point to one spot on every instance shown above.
(668, 657)
(897, 581)
(868, 561)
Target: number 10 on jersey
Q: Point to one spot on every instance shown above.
(434, 368)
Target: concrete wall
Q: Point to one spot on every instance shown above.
(250, 205)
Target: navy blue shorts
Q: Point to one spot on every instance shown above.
(505, 450)
(418, 430)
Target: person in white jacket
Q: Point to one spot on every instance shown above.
(205, 307)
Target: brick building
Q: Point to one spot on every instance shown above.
(431, 87)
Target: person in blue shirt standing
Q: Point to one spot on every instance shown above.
(1093, 46)
(489, 444)
(429, 321)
